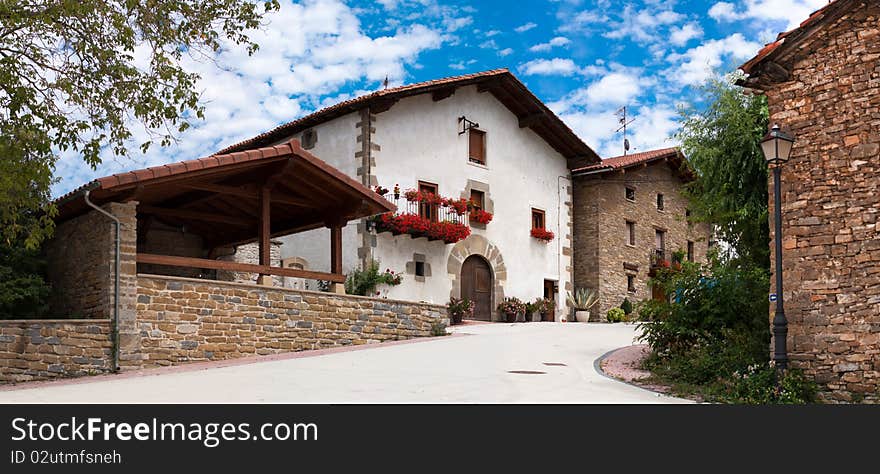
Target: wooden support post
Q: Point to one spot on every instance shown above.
(264, 231)
(336, 253)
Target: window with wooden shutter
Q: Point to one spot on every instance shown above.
(537, 219)
(477, 202)
(477, 146)
(428, 211)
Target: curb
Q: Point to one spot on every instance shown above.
(597, 365)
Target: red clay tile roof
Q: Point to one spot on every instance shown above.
(628, 161)
(554, 130)
(831, 10)
(145, 176)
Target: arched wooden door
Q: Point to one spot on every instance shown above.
(476, 285)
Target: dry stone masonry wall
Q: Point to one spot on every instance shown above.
(831, 204)
(190, 320)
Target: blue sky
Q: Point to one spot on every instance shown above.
(584, 58)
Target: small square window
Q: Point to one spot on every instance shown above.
(630, 194)
(537, 219)
(631, 283)
(309, 139)
(630, 233)
(660, 204)
(420, 269)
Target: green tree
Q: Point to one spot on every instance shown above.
(23, 290)
(77, 75)
(722, 143)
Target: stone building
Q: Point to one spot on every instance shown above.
(822, 81)
(629, 218)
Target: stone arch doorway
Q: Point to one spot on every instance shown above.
(476, 285)
(477, 245)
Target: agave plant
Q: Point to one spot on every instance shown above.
(583, 299)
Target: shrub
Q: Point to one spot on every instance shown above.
(615, 315)
(438, 329)
(363, 282)
(626, 306)
(712, 335)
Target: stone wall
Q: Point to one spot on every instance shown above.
(603, 257)
(831, 204)
(192, 320)
(46, 349)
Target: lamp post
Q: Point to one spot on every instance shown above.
(777, 149)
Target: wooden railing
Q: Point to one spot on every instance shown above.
(205, 263)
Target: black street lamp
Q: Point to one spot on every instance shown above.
(777, 149)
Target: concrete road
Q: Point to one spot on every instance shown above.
(472, 367)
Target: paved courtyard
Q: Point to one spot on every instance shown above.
(477, 365)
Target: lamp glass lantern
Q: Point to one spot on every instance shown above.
(777, 146)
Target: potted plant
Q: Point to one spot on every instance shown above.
(511, 308)
(459, 309)
(548, 309)
(533, 310)
(582, 301)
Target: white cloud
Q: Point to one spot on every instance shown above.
(523, 28)
(793, 12)
(653, 128)
(643, 26)
(490, 44)
(505, 52)
(549, 67)
(492, 33)
(697, 64)
(557, 41)
(680, 36)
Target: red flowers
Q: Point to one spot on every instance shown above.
(459, 206)
(481, 216)
(418, 226)
(543, 234)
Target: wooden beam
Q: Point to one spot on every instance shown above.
(382, 105)
(246, 193)
(196, 216)
(531, 119)
(223, 189)
(190, 262)
(441, 94)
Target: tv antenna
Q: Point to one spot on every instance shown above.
(624, 122)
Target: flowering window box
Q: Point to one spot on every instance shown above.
(481, 217)
(417, 226)
(543, 235)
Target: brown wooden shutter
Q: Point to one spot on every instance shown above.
(477, 146)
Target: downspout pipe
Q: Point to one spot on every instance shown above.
(115, 283)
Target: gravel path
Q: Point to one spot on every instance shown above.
(624, 364)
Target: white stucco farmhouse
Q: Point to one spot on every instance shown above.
(482, 139)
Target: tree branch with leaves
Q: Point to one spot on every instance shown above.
(77, 75)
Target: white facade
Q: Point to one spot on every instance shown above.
(418, 139)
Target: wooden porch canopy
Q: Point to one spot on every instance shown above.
(239, 198)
